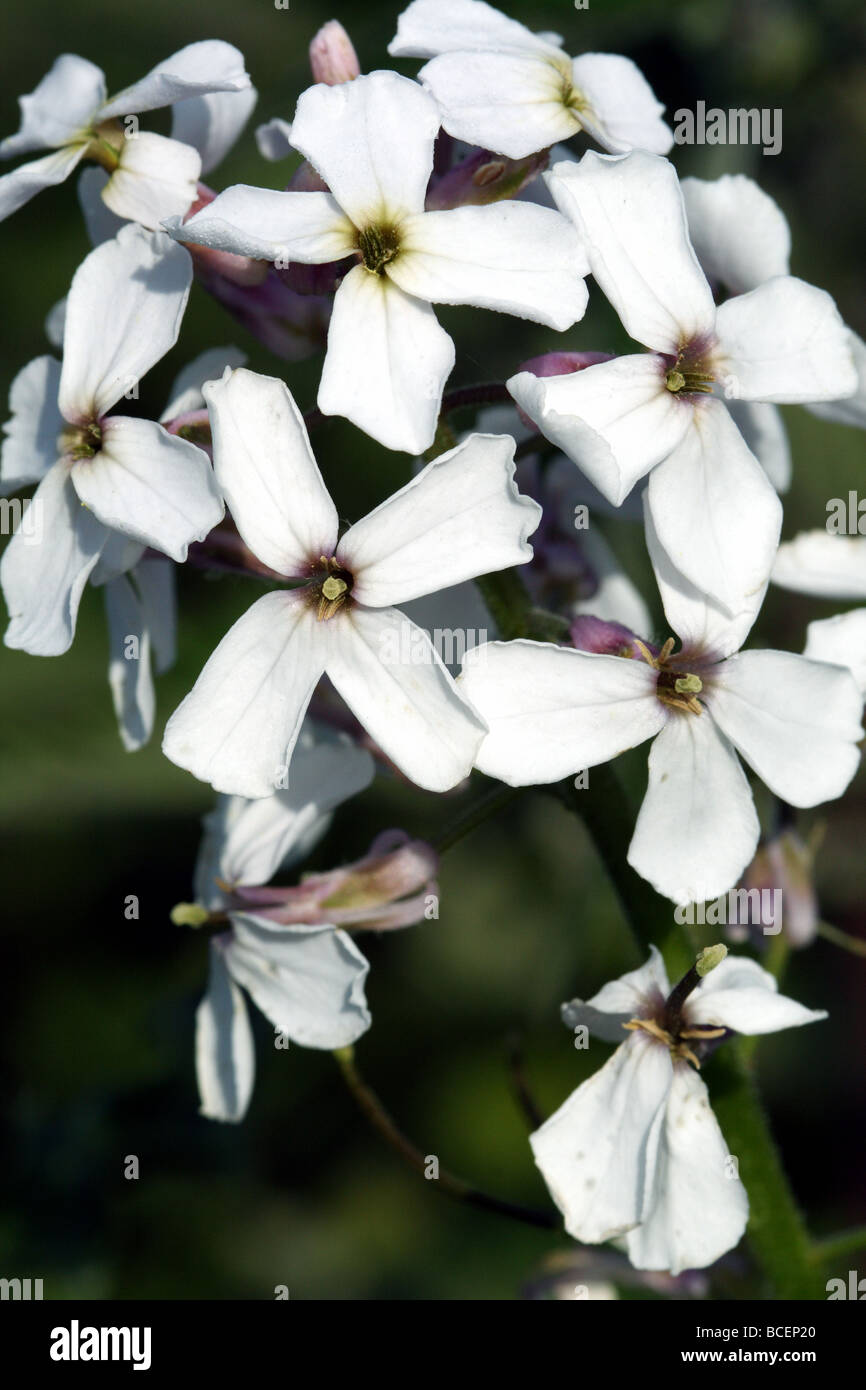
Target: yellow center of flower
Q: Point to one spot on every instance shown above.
(378, 246)
(80, 441)
(677, 689)
(333, 590)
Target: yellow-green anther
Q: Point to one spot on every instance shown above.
(333, 588)
(709, 958)
(674, 380)
(189, 915)
(688, 685)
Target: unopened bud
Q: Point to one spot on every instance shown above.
(332, 55)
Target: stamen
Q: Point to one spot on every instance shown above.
(378, 246)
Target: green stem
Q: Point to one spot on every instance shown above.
(845, 1243)
(854, 944)
(481, 811)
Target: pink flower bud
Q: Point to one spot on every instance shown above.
(483, 178)
(332, 55)
(784, 863)
(591, 634)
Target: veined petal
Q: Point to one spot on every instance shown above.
(27, 180)
(618, 106)
(697, 828)
(597, 1153)
(46, 564)
(123, 314)
(634, 995)
(630, 213)
(129, 676)
(715, 511)
(428, 27)
(739, 994)
(509, 102)
(268, 225)
(615, 420)
(156, 179)
(387, 361)
(514, 257)
(840, 640)
(238, 725)
(31, 433)
(266, 469)
(785, 341)
(826, 565)
(718, 210)
(225, 1062)
(552, 711)
(388, 672)
(59, 108)
(763, 429)
(461, 516)
(150, 485)
(696, 1206)
(212, 123)
(371, 140)
(208, 66)
(795, 721)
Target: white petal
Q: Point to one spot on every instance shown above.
(46, 564)
(635, 995)
(268, 226)
(387, 361)
(616, 598)
(119, 555)
(274, 139)
(738, 994)
(371, 140)
(266, 469)
(59, 108)
(796, 722)
(237, 726)
(817, 562)
(552, 711)
(840, 640)
(616, 420)
(460, 517)
(27, 180)
(308, 981)
(718, 211)
(155, 579)
(129, 676)
(764, 431)
(514, 257)
(785, 341)
(697, 828)
(630, 212)
(597, 1153)
(150, 485)
(225, 1061)
(186, 389)
(851, 410)
(390, 676)
(507, 102)
(622, 112)
(697, 1207)
(427, 27)
(212, 124)
(31, 433)
(715, 511)
(102, 224)
(156, 178)
(209, 66)
(123, 314)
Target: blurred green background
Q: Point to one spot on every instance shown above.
(97, 1020)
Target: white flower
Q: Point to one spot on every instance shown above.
(713, 508)
(151, 177)
(841, 640)
(637, 1150)
(99, 473)
(504, 88)
(371, 140)
(823, 564)
(460, 517)
(552, 711)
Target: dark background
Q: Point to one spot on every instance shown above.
(97, 1016)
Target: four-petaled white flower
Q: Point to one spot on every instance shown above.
(504, 88)
(552, 711)
(100, 474)
(636, 1151)
(151, 177)
(460, 517)
(713, 508)
(387, 361)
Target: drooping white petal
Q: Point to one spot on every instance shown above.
(129, 676)
(156, 179)
(27, 180)
(763, 429)
(697, 828)
(616, 420)
(597, 1153)
(186, 389)
(212, 123)
(238, 725)
(852, 409)
(387, 361)
(637, 994)
(616, 598)
(266, 469)
(514, 257)
(795, 721)
(391, 677)
(719, 211)
(309, 981)
(30, 434)
(119, 555)
(552, 711)
(715, 511)
(274, 139)
(817, 562)
(150, 485)
(508, 102)
(427, 27)
(840, 640)
(461, 516)
(155, 579)
(123, 314)
(46, 564)
(59, 108)
(630, 213)
(208, 66)
(102, 224)
(268, 226)
(739, 994)
(696, 1207)
(225, 1061)
(621, 111)
(371, 140)
(785, 341)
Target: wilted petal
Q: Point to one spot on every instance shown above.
(635, 995)
(129, 676)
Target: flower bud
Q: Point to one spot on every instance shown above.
(590, 634)
(332, 55)
(483, 178)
